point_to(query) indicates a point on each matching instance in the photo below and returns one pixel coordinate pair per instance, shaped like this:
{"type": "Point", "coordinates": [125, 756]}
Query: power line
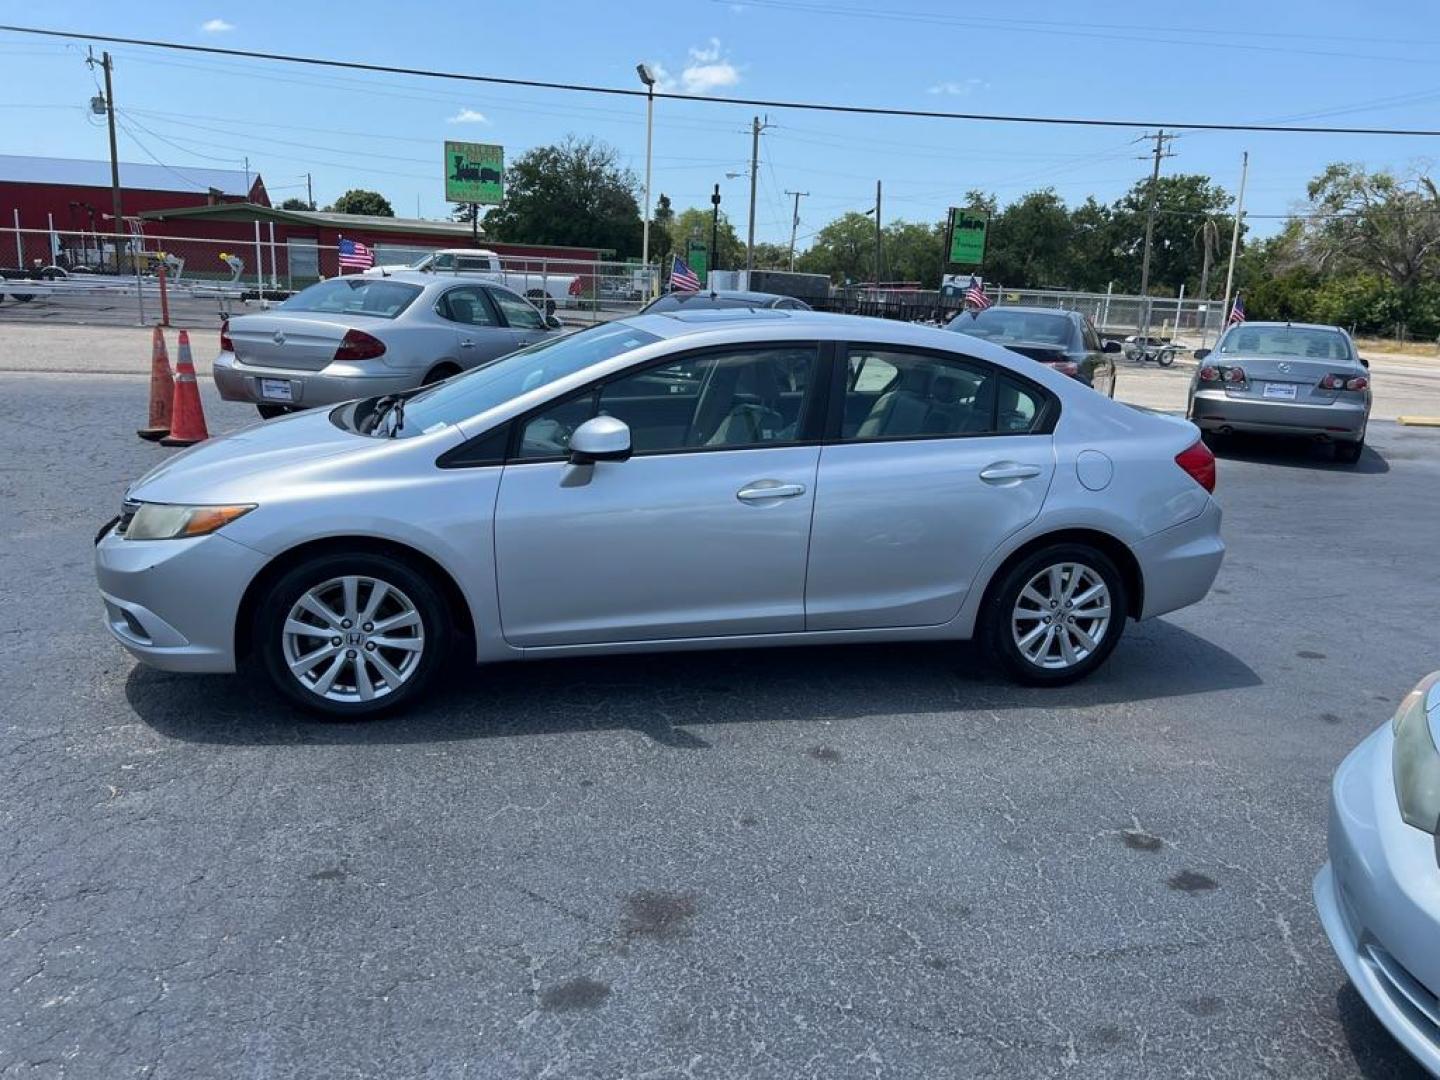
{"type": "Point", "coordinates": [808, 106]}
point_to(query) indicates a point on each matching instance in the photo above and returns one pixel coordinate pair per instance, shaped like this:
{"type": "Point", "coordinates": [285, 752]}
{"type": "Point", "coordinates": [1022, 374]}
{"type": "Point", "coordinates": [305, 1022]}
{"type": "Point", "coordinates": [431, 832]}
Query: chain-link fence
{"type": "Point", "coordinates": [1183, 320]}
{"type": "Point", "coordinates": [107, 279]}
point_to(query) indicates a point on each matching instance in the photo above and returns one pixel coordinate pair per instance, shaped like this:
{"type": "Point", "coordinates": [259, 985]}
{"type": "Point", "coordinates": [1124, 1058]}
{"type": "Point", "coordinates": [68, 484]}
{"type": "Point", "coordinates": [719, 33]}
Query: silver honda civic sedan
{"type": "Point", "coordinates": [359, 336]}
{"type": "Point", "coordinates": [671, 481]}
{"type": "Point", "coordinates": [1379, 895]}
{"type": "Point", "coordinates": [1284, 379]}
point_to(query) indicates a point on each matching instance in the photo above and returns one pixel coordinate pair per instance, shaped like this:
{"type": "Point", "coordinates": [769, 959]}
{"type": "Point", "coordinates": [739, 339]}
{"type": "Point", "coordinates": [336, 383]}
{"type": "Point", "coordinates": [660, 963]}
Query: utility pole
{"type": "Point", "coordinates": [107, 65]}
{"type": "Point", "coordinates": [714, 237]}
{"type": "Point", "coordinates": [755, 128]}
{"type": "Point", "coordinates": [795, 223]}
{"type": "Point", "coordinates": [1160, 140]}
{"type": "Point", "coordinates": [877, 234]}
{"type": "Point", "coordinates": [309, 193]}
{"type": "Point", "coordinates": [1235, 239]}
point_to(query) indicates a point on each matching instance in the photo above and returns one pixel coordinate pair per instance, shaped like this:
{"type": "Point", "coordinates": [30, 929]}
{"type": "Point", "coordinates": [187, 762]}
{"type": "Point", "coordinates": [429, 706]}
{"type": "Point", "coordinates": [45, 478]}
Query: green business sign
{"type": "Point", "coordinates": [697, 257]}
{"type": "Point", "coordinates": [966, 245]}
{"type": "Point", "coordinates": [474, 173]}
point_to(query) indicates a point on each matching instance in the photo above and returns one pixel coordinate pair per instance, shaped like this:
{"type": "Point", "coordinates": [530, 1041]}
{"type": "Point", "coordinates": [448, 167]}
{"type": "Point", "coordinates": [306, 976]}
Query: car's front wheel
{"type": "Point", "coordinates": [352, 635]}
{"type": "Point", "coordinates": [1056, 615]}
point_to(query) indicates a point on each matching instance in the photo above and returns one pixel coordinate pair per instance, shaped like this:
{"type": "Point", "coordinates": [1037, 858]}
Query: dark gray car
{"type": "Point", "coordinates": [1064, 341]}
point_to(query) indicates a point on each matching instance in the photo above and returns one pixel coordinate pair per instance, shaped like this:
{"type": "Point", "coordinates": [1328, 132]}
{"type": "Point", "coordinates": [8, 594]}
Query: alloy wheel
{"type": "Point", "coordinates": [1061, 616]}
{"type": "Point", "coordinates": [353, 639]}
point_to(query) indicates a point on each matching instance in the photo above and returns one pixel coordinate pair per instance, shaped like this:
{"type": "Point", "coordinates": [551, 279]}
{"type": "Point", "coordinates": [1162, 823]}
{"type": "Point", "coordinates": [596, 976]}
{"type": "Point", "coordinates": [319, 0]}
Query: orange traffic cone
{"type": "Point", "coordinates": [162, 390]}
{"type": "Point", "coordinates": [187, 418]}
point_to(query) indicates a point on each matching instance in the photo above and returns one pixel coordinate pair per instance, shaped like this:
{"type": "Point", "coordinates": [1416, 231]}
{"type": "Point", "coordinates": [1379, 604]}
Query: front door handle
{"type": "Point", "coordinates": [762, 490]}
{"type": "Point", "coordinates": [1004, 471]}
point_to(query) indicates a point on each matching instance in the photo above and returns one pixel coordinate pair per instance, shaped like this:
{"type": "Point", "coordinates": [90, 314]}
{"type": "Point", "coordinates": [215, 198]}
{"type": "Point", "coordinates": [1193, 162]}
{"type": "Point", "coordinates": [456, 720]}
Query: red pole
{"type": "Point", "coordinates": [164, 294]}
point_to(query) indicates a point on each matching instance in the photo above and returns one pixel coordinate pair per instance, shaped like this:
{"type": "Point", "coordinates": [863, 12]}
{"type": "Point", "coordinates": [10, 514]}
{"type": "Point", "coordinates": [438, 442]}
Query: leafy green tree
{"type": "Point", "coordinates": [844, 249]}
{"type": "Point", "coordinates": [1373, 221]}
{"type": "Point", "coordinates": [463, 212]}
{"type": "Point", "coordinates": [293, 203]}
{"type": "Point", "coordinates": [914, 251]}
{"type": "Point", "coordinates": [360, 201]}
{"type": "Point", "coordinates": [694, 223]}
{"type": "Point", "coordinates": [770, 256]}
{"type": "Point", "coordinates": [1183, 201]}
{"type": "Point", "coordinates": [661, 240]}
{"type": "Point", "coordinates": [1030, 243]}
{"type": "Point", "coordinates": [571, 193]}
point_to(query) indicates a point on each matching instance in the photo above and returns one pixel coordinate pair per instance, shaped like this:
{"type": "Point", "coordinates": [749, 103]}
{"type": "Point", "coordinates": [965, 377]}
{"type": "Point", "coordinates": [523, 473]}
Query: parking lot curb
{"type": "Point", "coordinates": [1419, 421]}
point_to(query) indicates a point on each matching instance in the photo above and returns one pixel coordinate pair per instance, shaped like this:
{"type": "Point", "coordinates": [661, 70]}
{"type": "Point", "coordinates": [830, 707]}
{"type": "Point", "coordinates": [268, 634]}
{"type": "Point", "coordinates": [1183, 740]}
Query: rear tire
{"type": "Point", "coordinates": [1027, 628]}
{"type": "Point", "coordinates": [439, 373]}
{"type": "Point", "coordinates": [1348, 453]}
{"type": "Point", "coordinates": [342, 669]}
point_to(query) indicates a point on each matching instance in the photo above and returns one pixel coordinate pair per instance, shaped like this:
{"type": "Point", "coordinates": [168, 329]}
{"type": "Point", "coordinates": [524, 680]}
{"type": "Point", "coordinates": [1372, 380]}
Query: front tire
{"type": "Point", "coordinates": [1056, 615]}
{"type": "Point", "coordinates": [352, 635]}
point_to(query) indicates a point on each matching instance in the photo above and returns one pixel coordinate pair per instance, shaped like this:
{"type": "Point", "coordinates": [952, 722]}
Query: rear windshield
{"type": "Point", "coordinates": [696, 301]}
{"type": "Point", "coordinates": [355, 296]}
{"type": "Point", "coordinates": [464, 396]}
{"type": "Point", "coordinates": [1289, 341]}
{"type": "Point", "coordinates": [998, 324]}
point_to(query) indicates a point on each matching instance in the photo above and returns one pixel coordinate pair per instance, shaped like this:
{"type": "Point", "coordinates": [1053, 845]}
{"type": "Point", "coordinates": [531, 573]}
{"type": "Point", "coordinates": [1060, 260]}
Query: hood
{"type": "Point", "coordinates": [290, 450]}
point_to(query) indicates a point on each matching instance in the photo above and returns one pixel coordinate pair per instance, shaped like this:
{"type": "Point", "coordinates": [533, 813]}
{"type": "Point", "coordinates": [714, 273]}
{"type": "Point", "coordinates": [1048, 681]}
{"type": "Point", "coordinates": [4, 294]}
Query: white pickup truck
{"type": "Point", "coordinates": [480, 262]}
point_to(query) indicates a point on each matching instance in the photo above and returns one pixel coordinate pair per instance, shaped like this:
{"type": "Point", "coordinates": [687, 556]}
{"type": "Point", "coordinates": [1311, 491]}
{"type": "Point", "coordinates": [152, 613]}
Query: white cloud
{"type": "Point", "coordinates": [707, 55]}
{"type": "Point", "coordinates": [957, 89]}
{"type": "Point", "coordinates": [468, 116]}
{"type": "Point", "coordinates": [703, 78]}
{"type": "Point", "coordinates": [217, 26]}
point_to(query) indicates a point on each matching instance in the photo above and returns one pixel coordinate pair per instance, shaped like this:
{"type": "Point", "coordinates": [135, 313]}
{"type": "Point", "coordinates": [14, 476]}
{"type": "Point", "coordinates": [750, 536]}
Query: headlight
{"type": "Point", "coordinates": [1416, 758]}
{"type": "Point", "coordinates": [162, 521]}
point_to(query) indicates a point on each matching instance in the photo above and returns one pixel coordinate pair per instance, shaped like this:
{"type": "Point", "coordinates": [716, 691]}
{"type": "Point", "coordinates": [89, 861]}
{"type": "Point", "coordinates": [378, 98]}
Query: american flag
{"type": "Point", "coordinates": [1237, 313]}
{"type": "Point", "coordinates": [682, 278]}
{"type": "Point", "coordinates": [975, 294]}
{"type": "Point", "coordinates": [354, 254]}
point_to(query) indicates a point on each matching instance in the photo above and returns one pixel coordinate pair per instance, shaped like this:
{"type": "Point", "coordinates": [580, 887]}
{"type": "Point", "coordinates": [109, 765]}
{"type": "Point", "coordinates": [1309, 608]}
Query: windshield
{"type": "Point", "coordinates": [998, 324]}
{"type": "Point", "coordinates": [1288, 341]}
{"type": "Point", "coordinates": [355, 296]}
{"type": "Point", "coordinates": [468, 395]}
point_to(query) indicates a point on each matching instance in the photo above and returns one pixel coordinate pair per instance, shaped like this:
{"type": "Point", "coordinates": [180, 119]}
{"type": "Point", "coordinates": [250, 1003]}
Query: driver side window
{"type": "Point", "coordinates": [711, 401]}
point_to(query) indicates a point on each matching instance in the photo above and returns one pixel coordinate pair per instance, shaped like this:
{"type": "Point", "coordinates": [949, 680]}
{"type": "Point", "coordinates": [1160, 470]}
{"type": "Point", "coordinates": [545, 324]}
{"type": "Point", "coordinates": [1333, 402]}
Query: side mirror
{"type": "Point", "coordinates": [1110, 345]}
{"type": "Point", "coordinates": [553, 322]}
{"type": "Point", "coordinates": [1200, 354]}
{"type": "Point", "coordinates": [603, 438]}
{"type": "Point", "coordinates": [1363, 362]}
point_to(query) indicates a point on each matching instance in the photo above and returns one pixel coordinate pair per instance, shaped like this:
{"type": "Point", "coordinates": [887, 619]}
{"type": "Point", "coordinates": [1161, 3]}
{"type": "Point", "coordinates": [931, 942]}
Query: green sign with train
{"type": "Point", "coordinates": [474, 173]}
{"type": "Point", "coordinates": [965, 242]}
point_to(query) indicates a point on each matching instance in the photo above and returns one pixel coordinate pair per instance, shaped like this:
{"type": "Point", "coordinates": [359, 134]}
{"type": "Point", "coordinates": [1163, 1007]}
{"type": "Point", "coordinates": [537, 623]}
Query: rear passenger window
{"type": "Point", "coordinates": [898, 395]}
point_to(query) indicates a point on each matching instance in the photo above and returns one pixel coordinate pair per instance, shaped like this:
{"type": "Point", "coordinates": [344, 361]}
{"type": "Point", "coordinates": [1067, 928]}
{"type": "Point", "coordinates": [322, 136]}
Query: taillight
{"type": "Point", "coordinates": [1360, 382]}
{"type": "Point", "coordinates": [1209, 374]}
{"type": "Point", "coordinates": [1333, 382]}
{"type": "Point", "coordinates": [1236, 375]}
{"type": "Point", "coordinates": [226, 345]}
{"type": "Point", "coordinates": [1065, 367]}
{"type": "Point", "coordinates": [358, 345]}
{"type": "Point", "coordinates": [1199, 462]}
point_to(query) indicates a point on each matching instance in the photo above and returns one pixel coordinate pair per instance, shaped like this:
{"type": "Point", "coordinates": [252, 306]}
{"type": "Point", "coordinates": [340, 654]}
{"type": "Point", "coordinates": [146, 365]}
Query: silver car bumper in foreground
{"type": "Point", "coordinates": [1212, 410]}
{"type": "Point", "coordinates": [172, 603]}
{"type": "Point", "coordinates": [1179, 564]}
{"type": "Point", "coordinates": [305, 389]}
{"type": "Point", "coordinates": [1379, 900]}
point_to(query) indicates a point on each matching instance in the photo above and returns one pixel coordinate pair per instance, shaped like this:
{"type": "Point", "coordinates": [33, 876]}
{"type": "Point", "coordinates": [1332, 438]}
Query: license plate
{"type": "Point", "coordinates": [1283, 390]}
{"type": "Point", "coordinates": [278, 390]}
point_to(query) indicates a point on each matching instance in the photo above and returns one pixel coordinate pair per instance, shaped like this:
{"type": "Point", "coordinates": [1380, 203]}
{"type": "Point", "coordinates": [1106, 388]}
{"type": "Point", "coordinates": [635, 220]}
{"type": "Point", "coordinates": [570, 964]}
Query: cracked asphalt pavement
{"type": "Point", "coordinates": [847, 862]}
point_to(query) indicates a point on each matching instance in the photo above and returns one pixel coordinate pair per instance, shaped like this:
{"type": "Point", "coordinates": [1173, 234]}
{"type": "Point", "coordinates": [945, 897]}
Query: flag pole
{"type": "Point", "coordinates": [1234, 242]}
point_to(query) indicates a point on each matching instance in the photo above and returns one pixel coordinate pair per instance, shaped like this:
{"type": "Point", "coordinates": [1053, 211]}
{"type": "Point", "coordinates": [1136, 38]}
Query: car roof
{"type": "Point", "coordinates": [424, 279]}
{"type": "Point", "coordinates": [1277, 324]}
{"type": "Point", "coordinates": [759, 323]}
{"type": "Point", "coordinates": [1029, 309]}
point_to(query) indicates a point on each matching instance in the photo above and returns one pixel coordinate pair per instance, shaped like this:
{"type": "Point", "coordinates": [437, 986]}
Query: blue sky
{"type": "Point", "coordinates": [1302, 60]}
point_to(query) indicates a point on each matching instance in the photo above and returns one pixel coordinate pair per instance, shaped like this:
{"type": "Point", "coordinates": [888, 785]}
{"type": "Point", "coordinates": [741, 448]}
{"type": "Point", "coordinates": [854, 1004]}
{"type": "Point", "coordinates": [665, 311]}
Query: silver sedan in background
{"type": "Point", "coordinates": [1274, 378]}
{"type": "Point", "coordinates": [689, 480]}
{"type": "Point", "coordinates": [1379, 895]}
{"type": "Point", "coordinates": [361, 336]}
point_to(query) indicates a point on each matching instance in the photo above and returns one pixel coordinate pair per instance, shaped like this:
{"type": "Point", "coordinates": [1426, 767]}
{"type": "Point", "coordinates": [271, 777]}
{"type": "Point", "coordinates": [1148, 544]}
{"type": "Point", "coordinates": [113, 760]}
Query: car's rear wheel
{"type": "Point", "coordinates": [352, 635]}
{"type": "Point", "coordinates": [439, 373]}
{"type": "Point", "coordinates": [1056, 615]}
{"type": "Point", "coordinates": [1348, 453]}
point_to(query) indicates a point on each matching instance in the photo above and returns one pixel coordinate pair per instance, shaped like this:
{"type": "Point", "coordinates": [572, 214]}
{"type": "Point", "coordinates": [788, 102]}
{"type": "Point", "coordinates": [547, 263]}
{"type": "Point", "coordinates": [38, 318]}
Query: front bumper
{"type": "Point", "coordinates": [1379, 900]}
{"type": "Point", "coordinates": [1212, 410]}
{"type": "Point", "coordinates": [328, 386]}
{"type": "Point", "coordinates": [172, 603]}
{"type": "Point", "coordinates": [1178, 565]}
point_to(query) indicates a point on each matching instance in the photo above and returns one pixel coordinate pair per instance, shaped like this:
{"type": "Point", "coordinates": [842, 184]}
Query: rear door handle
{"type": "Point", "coordinates": [466, 343]}
{"type": "Point", "coordinates": [1003, 471]}
{"type": "Point", "coordinates": [762, 490]}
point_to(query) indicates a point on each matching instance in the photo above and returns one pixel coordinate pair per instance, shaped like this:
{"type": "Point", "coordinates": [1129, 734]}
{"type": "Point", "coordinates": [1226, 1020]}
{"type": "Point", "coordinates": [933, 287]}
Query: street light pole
{"type": "Point", "coordinates": [648, 78]}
